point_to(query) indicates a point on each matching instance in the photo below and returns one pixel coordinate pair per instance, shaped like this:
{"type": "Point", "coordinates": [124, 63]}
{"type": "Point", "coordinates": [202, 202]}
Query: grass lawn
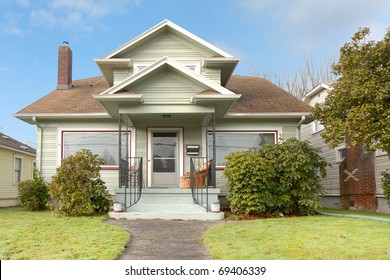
{"type": "Point", "coordinates": [360, 213]}
{"type": "Point", "coordinates": [300, 238]}
{"type": "Point", "coordinates": [44, 236]}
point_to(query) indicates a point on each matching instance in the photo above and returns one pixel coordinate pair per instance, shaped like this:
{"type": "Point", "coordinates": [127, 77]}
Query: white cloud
{"type": "Point", "coordinates": [306, 24]}
{"type": "Point", "coordinates": [10, 24]}
{"type": "Point", "coordinates": [43, 18]}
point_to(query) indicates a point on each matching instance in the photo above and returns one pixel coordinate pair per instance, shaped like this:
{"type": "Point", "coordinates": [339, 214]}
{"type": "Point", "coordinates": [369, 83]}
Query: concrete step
{"type": "Point", "coordinates": [168, 204]}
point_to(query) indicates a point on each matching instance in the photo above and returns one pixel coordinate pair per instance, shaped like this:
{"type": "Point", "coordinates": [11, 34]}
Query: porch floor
{"type": "Point", "coordinates": [168, 204]}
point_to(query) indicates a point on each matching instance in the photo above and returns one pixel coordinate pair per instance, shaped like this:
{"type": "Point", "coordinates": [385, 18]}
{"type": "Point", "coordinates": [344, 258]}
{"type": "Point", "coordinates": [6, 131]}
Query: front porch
{"type": "Point", "coordinates": [167, 204]}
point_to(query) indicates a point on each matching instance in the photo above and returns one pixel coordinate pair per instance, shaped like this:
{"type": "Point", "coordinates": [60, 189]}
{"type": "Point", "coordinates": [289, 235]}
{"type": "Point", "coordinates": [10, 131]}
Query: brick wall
{"type": "Point", "coordinates": [64, 67]}
{"type": "Point", "coordinates": [357, 180]}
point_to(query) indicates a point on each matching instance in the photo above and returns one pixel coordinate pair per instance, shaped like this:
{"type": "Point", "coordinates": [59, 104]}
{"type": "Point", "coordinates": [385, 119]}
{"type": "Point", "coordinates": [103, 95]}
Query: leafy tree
{"type": "Point", "coordinates": [77, 188]}
{"type": "Point", "coordinates": [358, 106]}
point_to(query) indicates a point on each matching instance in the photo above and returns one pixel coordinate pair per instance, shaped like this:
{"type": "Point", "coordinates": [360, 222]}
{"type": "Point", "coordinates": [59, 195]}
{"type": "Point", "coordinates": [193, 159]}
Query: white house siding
{"type": "Point", "coordinates": [49, 152]}
{"type": "Point", "coordinates": [8, 187]}
{"type": "Point", "coordinates": [168, 87]}
{"type": "Point", "coordinates": [169, 45]}
{"type": "Point", "coordinates": [331, 182]}
{"type": "Point", "coordinates": [213, 74]}
{"type": "Point", "coordinates": [120, 75]}
{"type": "Point", "coordinates": [382, 164]}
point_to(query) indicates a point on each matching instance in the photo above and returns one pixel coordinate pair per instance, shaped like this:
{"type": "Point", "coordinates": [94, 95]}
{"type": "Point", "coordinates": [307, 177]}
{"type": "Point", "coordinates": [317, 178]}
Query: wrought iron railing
{"type": "Point", "coordinates": [131, 179]}
{"type": "Point", "coordinates": [200, 179]}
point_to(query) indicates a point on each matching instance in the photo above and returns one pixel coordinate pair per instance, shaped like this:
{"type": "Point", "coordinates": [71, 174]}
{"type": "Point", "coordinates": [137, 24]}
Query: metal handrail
{"type": "Point", "coordinates": [133, 182]}
{"type": "Point", "coordinates": [199, 180]}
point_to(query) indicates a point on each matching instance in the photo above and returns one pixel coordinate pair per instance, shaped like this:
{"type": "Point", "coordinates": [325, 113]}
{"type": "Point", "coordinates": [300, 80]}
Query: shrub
{"type": "Point", "coordinates": [33, 194]}
{"type": "Point", "coordinates": [282, 178]}
{"type": "Point", "coordinates": [386, 186]}
{"type": "Point", "coordinates": [77, 187]}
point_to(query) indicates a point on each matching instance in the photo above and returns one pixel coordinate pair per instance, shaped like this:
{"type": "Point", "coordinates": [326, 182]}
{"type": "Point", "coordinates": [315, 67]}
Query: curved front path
{"type": "Point", "coordinates": [164, 239]}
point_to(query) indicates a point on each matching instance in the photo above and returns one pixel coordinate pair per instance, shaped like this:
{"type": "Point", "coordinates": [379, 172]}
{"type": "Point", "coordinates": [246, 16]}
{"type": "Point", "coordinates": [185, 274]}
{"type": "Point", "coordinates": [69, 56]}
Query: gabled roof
{"type": "Point", "coordinates": [261, 96]}
{"type": "Point", "coordinates": [163, 26]}
{"type": "Point", "coordinates": [173, 65]}
{"type": "Point", "coordinates": [258, 96]}
{"type": "Point", "coordinates": [118, 60]}
{"type": "Point", "coordinates": [8, 142]}
{"type": "Point", "coordinates": [318, 88]}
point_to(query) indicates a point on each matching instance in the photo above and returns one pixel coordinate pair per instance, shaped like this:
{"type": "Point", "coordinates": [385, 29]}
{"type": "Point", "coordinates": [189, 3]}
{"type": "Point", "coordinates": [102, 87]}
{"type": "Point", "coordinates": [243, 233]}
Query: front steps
{"type": "Point", "coordinates": [167, 204]}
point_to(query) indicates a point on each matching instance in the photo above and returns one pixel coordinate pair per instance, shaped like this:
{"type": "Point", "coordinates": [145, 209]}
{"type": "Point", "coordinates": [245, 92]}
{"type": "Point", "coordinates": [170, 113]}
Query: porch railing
{"type": "Point", "coordinates": [131, 180]}
{"type": "Point", "coordinates": [200, 180]}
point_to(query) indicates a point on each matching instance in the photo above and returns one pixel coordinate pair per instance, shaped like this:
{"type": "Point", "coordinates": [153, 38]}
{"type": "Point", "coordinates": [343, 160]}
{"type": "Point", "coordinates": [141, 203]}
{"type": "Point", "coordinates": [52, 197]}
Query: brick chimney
{"type": "Point", "coordinates": [64, 67]}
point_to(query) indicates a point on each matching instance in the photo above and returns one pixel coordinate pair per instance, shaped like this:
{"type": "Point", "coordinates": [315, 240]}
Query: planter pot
{"type": "Point", "coordinates": [215, 208]}
{"type": "Point", "coordinates": [118, 207]}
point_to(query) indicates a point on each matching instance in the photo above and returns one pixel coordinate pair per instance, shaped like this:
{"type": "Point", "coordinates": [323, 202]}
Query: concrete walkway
{"type": "Point", "coordinates": [165, 239]}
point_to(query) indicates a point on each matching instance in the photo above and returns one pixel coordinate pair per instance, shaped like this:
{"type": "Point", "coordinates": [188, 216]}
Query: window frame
{"type": "Point", "coordinates": [317, 126]}
{"type": "Point", "coordinates": [16, 181]}
{"type": "Point", "coordinates": [103, 167]}
{"type": "Point", "coordinates": [222, 167]}
{"type": "Point", "coordinates": [339, 150]}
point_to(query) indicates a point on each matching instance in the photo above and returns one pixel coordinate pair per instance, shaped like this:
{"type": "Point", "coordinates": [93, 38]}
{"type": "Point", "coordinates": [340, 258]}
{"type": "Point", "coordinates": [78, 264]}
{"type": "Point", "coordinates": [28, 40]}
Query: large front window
{"type": "Point", "coordinates": [103, 143]}
{"type": "Point", "coordinates": [234, 141]}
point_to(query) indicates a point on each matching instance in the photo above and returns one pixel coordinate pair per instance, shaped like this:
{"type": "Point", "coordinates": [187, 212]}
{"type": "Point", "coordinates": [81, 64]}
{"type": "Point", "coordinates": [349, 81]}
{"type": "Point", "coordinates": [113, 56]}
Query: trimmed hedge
{"type": "Point", "coordinates": [77, 187]}
{"type": "Point", "coordinates": [278, 179]}
{"type": "Point", "coordinates": [33, 194]}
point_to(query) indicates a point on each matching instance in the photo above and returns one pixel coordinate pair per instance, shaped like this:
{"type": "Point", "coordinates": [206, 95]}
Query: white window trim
{"type": "Point", "coordinates": [314, 127]}
{"type": "Point", "coordinates": [338, 153]}
{"type": "Point", "coordinates": [21, 169]}
{"type": "Point", "coordinates": [380, 152]}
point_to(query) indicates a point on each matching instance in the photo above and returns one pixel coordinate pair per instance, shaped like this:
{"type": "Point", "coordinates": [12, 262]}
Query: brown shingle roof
{"type": "Point", "coordinates": [258, 96]}
{"type": "Point", "coordinates": [261, 96]}
{"type": "Point", "coordinates": [78, 99]}
{"type": "Point", "coordinates": [12, 143]}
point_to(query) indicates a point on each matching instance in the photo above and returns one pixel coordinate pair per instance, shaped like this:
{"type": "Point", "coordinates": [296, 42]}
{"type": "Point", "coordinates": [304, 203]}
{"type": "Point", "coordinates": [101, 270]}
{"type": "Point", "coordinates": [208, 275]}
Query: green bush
{"type": "Point", "coordinates": [386, 186]}
{"type": "Point", "coordinates": [33, 194]}
{"type": "Point", "coordinates": [77, 188]}
{"type": "Point", "coordinates": [282, 178]}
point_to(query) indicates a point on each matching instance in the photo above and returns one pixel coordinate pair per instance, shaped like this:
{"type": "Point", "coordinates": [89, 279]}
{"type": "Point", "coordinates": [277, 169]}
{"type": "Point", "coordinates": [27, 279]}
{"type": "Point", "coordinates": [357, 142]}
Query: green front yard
{"type": "Point", "coordinates": [42, 236]}
{"type": "Point", "coordinates": [300, 238]}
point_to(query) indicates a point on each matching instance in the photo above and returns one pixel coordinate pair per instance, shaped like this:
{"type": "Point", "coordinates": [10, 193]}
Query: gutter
{"type": "Point", "coordinates": [34, 119]}
{"type": "Point", "coordinates": [299, 127]}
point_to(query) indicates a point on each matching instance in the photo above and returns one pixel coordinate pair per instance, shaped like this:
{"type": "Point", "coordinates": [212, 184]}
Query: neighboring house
{"type": "Point", "coordinates": [17, 161]}
{"type": "Point", "coordinates": [354, 181]}
{"type": "Point", "coordinates": [173, 97]}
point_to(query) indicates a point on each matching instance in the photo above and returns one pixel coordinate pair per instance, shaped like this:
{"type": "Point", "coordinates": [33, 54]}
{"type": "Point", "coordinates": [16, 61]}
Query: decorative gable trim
{"type": "Point", "coordinates": [166, 61]}
{"type": "Point", "coordinates": [166, 25]}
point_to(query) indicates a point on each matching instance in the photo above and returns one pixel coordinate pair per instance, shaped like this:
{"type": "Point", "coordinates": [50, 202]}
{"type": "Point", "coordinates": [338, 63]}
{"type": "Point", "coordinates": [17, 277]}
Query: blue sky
{"type": "Point", "coordinates": [264, 34]}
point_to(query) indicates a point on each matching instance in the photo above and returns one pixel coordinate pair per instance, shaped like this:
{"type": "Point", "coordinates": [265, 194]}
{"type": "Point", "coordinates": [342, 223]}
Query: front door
{"type": "Point", "coordinates": [164, 161]}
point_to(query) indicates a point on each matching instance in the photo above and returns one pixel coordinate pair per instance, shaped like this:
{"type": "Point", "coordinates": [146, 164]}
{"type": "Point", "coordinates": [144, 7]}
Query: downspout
{"type": "Point", "coordinates": [299, 127]}
{"type": "Point", "coordinates": [34, 119]}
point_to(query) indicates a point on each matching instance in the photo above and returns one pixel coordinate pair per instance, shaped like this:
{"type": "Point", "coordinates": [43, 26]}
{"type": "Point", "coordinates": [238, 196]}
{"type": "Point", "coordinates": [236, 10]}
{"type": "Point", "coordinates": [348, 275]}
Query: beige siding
{"type": "Point", "coordinates": [289, 132]}
{"type": "Point", "coordinates": [167, 87]}
{"type": "Point", "coordinates": [331, 182]}
{"type": "Point", "coordinates": [382, 164]}
{"type": "Point", "coordinates": [8, 187]}
{"type": "Point", "coordinates": [212, 74]}
{"type": "Point", "coordinates": [120, 75]}
{"type": "Point", "coordinates": [169, 45]}
{"type": "Point", "coordinates": [49, 152]}
{"type": "Point", "coordinates": [192, 136]}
